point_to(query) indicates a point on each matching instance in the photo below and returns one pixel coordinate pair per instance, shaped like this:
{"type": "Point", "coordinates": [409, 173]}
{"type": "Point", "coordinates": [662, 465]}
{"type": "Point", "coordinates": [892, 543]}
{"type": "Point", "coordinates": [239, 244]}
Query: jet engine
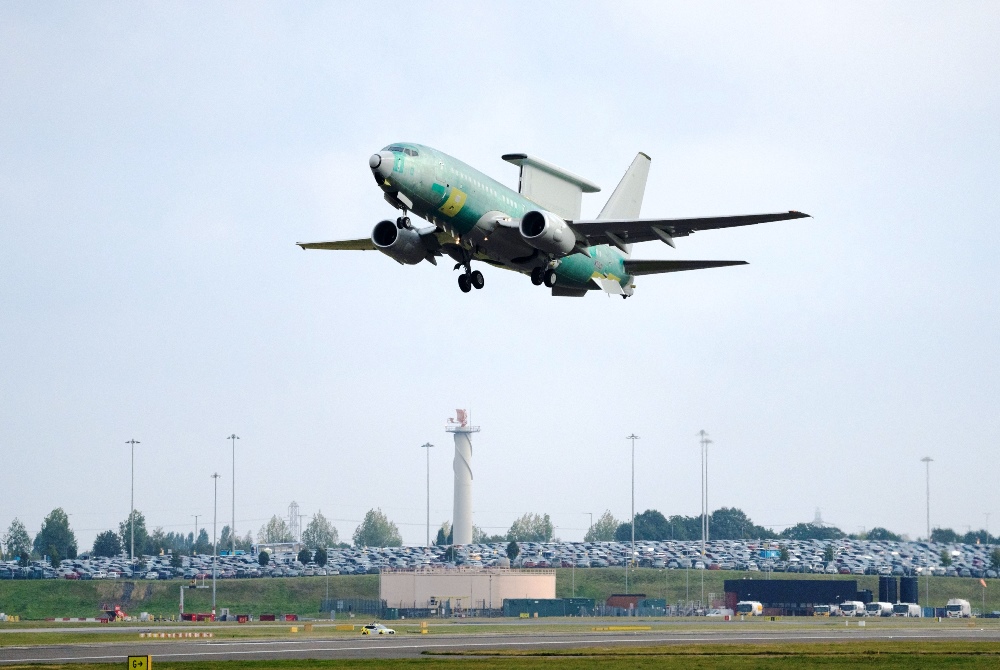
{"type": "Point", "coordinates": [402, 245]}
{"type": "Point", "coordinates": [547, 232]}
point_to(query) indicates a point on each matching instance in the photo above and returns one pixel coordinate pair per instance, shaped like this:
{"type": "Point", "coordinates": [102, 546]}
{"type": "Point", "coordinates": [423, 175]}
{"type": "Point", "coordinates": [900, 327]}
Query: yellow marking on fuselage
{"type": "Point", "coordinates": [454, 204]}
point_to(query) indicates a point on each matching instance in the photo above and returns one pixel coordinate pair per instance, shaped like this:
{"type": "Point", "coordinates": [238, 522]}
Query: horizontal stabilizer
{"type": "Point", "coordinates": [637, 268]}
{"type": "Point", "coordinates": [341, 245]}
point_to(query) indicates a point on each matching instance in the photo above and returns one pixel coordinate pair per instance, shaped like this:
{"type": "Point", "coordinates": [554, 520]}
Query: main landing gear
{"type": "Point", "coordinates": [403, 222]}
{"type": "Point", "coordinates": [545, 276]}
{"type": "Point", "coordinates": [470, 279]}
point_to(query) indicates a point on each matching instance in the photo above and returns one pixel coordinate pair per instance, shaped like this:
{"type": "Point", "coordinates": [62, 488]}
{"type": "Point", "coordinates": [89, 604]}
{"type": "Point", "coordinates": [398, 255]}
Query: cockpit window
{"type": "Point", "coordinates": [402, 150]}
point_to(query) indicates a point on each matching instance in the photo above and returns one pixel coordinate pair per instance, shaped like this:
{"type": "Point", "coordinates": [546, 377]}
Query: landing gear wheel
{"type": "Point", "coordinates": [536, 276]}
{"type": "Point", "coordinates": [549, 278]}
{"type": "Point", "coordinates": [403, 222]}
{"type": "Point", "coordinates": [464, 283]}
{"type": "Point", "coordinates": [478, 280]}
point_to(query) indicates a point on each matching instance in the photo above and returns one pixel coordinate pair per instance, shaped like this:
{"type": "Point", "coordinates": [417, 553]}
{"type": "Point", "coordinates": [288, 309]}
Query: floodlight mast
{"type": "Point", "coordinates": [428, 446]}
{"type": "Point", "coordinates": [131, 512]}
{"type": "Point", "coordinates": [215, 541]}
{"type": "Point", "coordinates": [633, 437]}
{"type": "Point", "coordinates": [927, 460]}
{"type": "Point", "coordinates": [232, 529]}
{"type": "Point", "coordinates": [704, 490]}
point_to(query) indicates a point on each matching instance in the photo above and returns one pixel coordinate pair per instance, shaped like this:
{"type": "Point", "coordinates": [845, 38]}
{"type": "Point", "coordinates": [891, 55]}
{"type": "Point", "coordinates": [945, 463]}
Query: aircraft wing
{"type": "Point", "coordinates": [365, 244]}
{"type": "Point", "coordinates": [627, 231]}
{"type": "Point", "coordinates": [637, 268]}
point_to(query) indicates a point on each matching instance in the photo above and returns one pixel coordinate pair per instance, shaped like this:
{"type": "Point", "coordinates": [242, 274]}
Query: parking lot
{"type": "Point", "coordinates": [856, 557]}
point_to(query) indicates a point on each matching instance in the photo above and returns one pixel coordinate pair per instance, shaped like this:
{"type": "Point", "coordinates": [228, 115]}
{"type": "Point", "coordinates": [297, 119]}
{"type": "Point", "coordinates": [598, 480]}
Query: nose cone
{"type": "Point", "coordinates": [381, 163]}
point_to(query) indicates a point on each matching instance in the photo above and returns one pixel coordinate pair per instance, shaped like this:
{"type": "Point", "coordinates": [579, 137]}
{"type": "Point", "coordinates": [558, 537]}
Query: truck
{"type": "Point", "coordinates": [959, 609]}
{"type": "Point", "coordinates": [751, 607]}
{"type": "Point", "coordinates": [852, 608]}
{"type": "Point", "coordinates": [822, 610]}
{"type": "Point", "coordinates": [878, 609]}
{"type": "Point", "coordinates": [906, 609]}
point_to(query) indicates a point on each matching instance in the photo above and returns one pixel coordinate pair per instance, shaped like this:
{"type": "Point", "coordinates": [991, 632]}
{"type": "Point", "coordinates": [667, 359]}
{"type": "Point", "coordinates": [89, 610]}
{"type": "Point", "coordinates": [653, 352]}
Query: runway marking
{"type": "Point", "coordinates": [586, 641]}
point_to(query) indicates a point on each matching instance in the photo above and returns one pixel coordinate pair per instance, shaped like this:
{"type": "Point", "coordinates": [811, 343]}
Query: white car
{"type": "Point", "coordinates": [377, 629]}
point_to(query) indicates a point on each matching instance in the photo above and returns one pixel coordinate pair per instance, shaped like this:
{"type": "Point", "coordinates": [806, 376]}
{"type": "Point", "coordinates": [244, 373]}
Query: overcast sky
{"type": "Point", "coordinates": [159, 161]}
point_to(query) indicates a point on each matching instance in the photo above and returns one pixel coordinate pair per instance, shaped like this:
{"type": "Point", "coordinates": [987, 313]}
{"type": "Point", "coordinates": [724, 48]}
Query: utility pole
{"type": "Point", "coordinates": [232, 528]}
{"type": "Point", "coordinates": [633, 437]}
{"type": "Point", "coordinates": [215, 542]}
{"type": "Point", "coordinates": [927, 460]}
{"type": "Point", "coordinates": [131, 513]}
{"type": "Point", "coordinates": [428, 447]}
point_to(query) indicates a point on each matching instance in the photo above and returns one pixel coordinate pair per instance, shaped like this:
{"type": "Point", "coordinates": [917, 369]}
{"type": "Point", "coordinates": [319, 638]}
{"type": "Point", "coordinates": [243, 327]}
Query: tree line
{"type": "Point", "coordinates": [57, 540]}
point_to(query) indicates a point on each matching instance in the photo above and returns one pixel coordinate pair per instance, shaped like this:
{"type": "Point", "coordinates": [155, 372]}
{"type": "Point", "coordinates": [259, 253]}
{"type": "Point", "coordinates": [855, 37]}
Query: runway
{"type": "Point", "coordinates": [410, 646]}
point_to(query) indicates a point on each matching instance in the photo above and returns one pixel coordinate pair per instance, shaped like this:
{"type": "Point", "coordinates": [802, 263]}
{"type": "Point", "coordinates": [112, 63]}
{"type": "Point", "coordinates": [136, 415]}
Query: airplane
{"type": "Point", "coordinates": [536, 230]}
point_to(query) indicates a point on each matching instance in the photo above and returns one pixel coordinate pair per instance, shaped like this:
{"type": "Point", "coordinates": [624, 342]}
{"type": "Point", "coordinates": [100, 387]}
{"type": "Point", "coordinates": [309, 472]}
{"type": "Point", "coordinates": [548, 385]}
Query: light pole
{"type": "Point", "coordinates": [926, 460]}
{"type": "Point", "coordinates": [232, 528]}
{"type": "Point", "coordinates": [215, 542]}
{"type": "Point", "coordinates": [131, 512]}
{"type": "Point", "coordinates": [194, 538]}
{"type": "Point", "coordinates": [428, 447]}
{"type": "Point", "coordinates": [704, 490]}
{"type": "Point", "coordinates": [633, 437]}
{"type": "Point", "coordinates": [591, 528]}
{"type": "Point", "coordinates": [704, 507]}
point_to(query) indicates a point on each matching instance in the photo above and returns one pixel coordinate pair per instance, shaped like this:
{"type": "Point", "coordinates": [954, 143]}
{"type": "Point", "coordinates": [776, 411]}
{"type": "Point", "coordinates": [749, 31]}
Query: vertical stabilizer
{"type": "Point", "coordinates": [626, 201]}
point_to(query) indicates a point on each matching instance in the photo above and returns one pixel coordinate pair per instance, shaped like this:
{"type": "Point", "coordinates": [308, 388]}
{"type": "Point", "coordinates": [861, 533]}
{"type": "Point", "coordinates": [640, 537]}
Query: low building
{"type": "Point", "coordinates": [463, 588]}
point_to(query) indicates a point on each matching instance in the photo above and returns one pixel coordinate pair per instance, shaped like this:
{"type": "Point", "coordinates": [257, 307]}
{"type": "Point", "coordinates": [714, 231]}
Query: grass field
{"type": "Point", "coordinates": [38, 599]}
{"type": "Point", "coordinates": [302, 595]}
{"type": "Point", "coordinates": [946, 655]}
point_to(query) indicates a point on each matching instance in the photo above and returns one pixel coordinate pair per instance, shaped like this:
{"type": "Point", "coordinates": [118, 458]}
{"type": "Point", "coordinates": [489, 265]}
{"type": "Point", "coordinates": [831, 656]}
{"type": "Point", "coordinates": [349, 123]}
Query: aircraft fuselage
{"type": "Point", "coordinates": [477, 211]}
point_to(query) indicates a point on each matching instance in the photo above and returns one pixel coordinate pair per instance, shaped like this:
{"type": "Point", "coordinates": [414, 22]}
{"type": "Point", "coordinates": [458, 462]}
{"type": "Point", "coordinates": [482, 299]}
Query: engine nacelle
{"type": "Point", "coordinates": [547, 232]}
{"type": "Point", "coordinates": [402, 245]}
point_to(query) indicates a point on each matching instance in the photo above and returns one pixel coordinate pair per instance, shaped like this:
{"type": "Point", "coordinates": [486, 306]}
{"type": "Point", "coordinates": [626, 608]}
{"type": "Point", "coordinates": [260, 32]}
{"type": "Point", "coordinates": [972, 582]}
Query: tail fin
{"type": "Point", "coordinates": [626, 201]}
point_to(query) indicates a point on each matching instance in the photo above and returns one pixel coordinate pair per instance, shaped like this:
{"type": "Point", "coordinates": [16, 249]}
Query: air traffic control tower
{"type": "Point", "coordinates": [462, 518]}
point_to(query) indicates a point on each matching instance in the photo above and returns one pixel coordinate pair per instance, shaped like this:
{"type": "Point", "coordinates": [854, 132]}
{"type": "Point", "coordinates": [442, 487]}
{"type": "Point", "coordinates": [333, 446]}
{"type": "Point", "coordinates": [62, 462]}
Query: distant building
{"type": "Point", "coordinates": [463, 589]}
{"type": "Point", "coordinates": [792, 597]}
